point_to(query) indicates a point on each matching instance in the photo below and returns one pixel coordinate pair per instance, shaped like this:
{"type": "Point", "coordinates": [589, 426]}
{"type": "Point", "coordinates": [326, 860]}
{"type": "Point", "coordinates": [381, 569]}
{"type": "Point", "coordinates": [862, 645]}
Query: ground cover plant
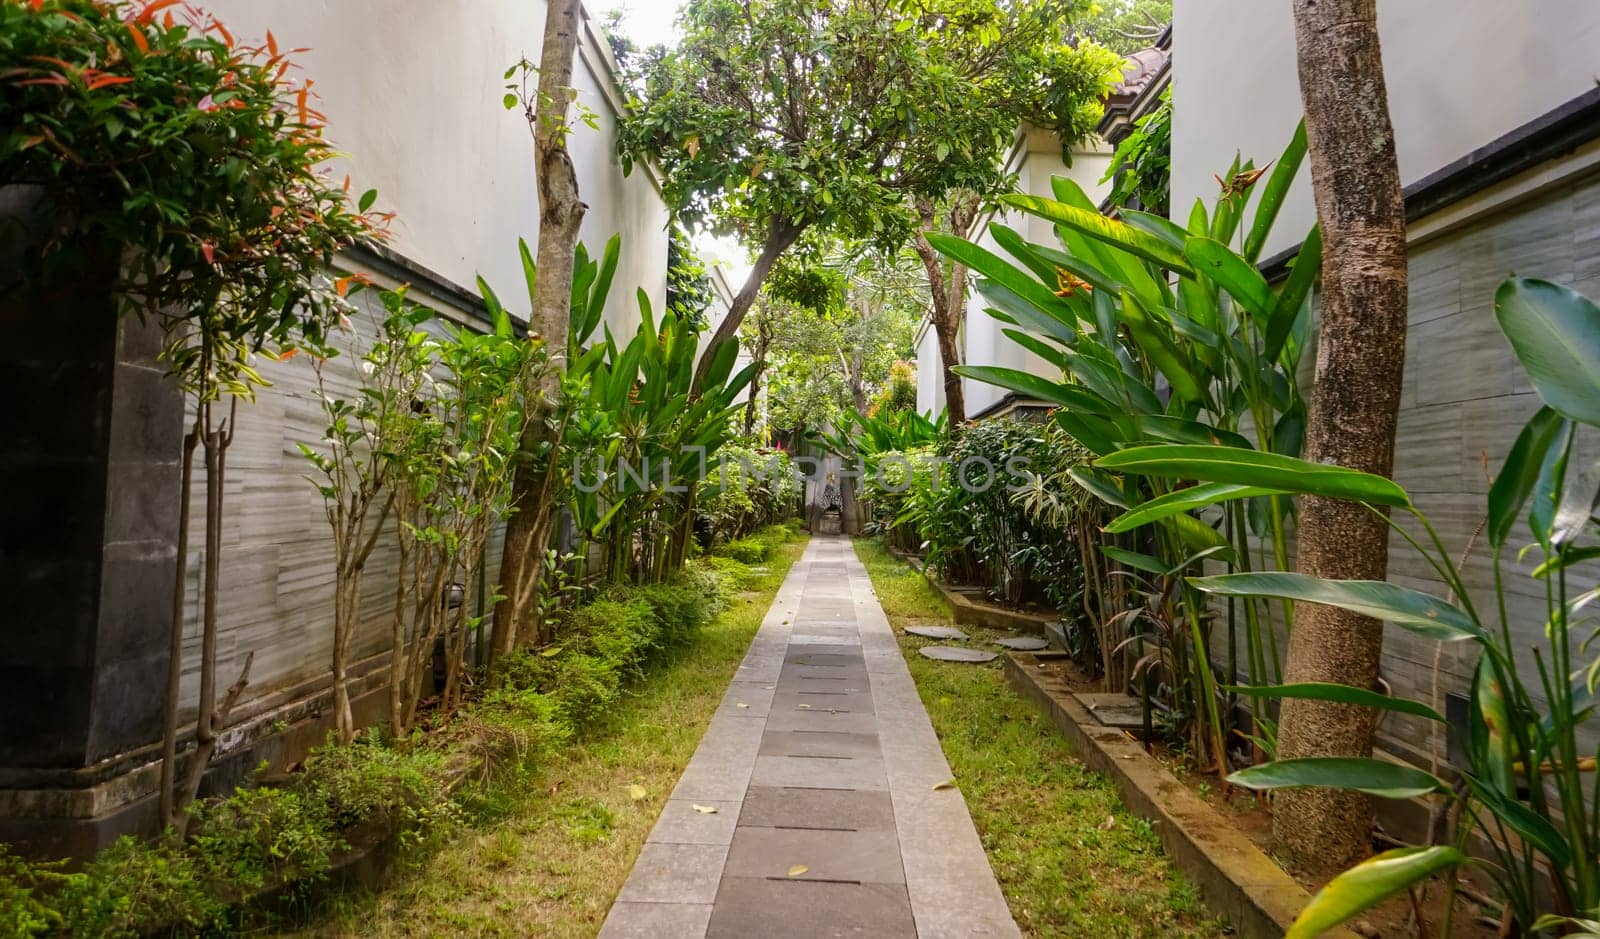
{"type": "Point", "coordinates": [1071, 860]}
{"type": "Point", "coordinates": [636, 667]}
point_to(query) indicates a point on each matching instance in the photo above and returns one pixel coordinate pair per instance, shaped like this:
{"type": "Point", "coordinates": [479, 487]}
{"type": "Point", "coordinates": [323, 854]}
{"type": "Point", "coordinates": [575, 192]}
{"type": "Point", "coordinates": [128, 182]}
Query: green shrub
{"type": "Point", "coordinates": [744, 550]}
{"type": "Point", "coordinates": [680, 609]}
{"type": "Point", "coordinates": [22, 912]}
{"type": "Point", "coordinates": [131, 888]}
{"type": "Point", "coordinates": [258, 837]}
{"type": "Point", "coordinates": [369, 782]}
{"type": "Point", "coordinates": [733, 575]}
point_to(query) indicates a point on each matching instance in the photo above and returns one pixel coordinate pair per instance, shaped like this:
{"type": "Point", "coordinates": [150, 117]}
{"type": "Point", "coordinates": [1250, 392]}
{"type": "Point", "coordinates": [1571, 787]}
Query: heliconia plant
{"type": "Point", "coordinates": [1529, 785]}
{"type": "Point", "coordinates": [645, 439]}
{"type": "Point", "coordinates": [1167, 333]}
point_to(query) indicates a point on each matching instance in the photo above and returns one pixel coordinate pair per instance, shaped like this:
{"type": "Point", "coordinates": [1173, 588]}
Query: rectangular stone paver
{"type": "Point", "coordinates": [821, 809]}
{"type": "Point", "coordinates": [855, 856]}
{"type": "Point", "coordinates": [749, 907]}
{"type": "Point", "coordinates": [820, 761]}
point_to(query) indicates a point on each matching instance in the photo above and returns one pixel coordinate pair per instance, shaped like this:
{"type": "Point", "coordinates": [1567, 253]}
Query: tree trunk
{"type": "Point", "coordinates": [948, 296]}
{"type": "Point", "coordinates": [780, 236]}
{"type": "Point", "coordinates": [560, 214]}
{"type": "Point", "coordinates": [1360, 359]}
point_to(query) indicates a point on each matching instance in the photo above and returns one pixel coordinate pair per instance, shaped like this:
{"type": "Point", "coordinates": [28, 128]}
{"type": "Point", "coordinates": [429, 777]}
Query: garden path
{"type": "Point", "coordinates": [825, 777]}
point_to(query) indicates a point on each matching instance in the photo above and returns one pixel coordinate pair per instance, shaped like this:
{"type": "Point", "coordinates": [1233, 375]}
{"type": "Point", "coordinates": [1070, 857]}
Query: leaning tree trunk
{"type": "Point", "coordinates": [560, 214]}
{"type": "Point", "coordinates": [780, 236]}
{"type": "Point", "coordinates": [948, 296]}
{"type": "Point", "coordinates": [1360, 358]}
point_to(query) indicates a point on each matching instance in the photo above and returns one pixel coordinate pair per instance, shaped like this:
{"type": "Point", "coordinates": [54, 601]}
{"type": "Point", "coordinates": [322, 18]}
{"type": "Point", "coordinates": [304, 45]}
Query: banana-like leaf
{"type": "Point", "coordinates": [1184, 500]}
{"type": "Point", "coordinates": [1197, 535]}
{"type": "Point", "coordinates": [1097, 226]}
{"type": "Point", "coordinates": [1565, 560]}
{"type": "Point", "coordinates": [1534, 828]}
{"type": "Point", "coordinates": [1038, 347]}
{"type": "Point", "coordinates": [1163, 228]}
{"type": "Point", "coordinates": [1283, 174]}
{"type": "Point", "coordinates": [1490, 727]}
{"type": "Point", "coordinates": [1135, 560]}
{"type": "Point", "coordinates": [1343, 694]}
{"type": "Point", "coordinates": [1254, 468]}
{"type": "Point", "coordinates": [1172, 361]}
{"type": "Point", "coordinates": [997, 269]}
{"type": "Point", "coordinates": [1178, 430]}
{"type": "Point", "coordinates": [1101, 486]}
{"type": "Point", "coordinates": [1374, 777]}
{"type": "Point", "coordinates": [1555, 333]}
{"type": "Point", "coordinates": [1290, 305]}
{"type": "Point", "coordinates": [1409, 609]}
{"type": "Point", "coordinates": [1057, 393]}
{"type": "Point", "coordinates": [1235, 275]}
{"type": "Point", "coordinates": [1369, 883]}
{"type": "Point", "coordinates": [1547, 486]}
{"type": "Point", "coordinates": [1054, 322]}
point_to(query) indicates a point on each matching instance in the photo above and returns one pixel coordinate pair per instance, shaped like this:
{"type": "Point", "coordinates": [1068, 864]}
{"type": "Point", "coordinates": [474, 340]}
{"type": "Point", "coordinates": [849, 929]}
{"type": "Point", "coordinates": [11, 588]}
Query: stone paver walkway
{"type": "Point", "coordinates": [822, 766]}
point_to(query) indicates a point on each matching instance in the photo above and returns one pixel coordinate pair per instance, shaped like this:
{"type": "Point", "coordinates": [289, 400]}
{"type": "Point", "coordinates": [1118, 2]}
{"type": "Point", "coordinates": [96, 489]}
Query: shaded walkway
{"type": "Point", "coordinates": [821, 767]}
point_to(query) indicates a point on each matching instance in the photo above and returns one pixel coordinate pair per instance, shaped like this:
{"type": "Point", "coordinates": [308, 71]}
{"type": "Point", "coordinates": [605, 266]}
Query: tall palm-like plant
{"type": "Point", "coordinates": [1167, 333]}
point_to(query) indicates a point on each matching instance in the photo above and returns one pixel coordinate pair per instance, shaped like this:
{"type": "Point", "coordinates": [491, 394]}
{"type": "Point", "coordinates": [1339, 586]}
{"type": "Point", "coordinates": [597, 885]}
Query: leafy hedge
{"type": "Point", "coordinates": [289, 836]}
{"type": "Point", "coordinates": [758, 547]}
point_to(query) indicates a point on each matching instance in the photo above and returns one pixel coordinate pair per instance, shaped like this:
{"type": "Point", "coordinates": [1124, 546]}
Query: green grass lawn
{"type": "Point", "coordinates": [549, 851]}
{"type": "Point", "coordinates": [1071, 859]}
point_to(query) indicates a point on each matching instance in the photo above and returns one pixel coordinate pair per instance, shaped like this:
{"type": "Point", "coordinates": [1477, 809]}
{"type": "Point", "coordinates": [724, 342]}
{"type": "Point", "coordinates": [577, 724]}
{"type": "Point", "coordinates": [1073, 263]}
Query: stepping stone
{"type": "Point", "coordinates": [937, 632]}
{"type": "Point", "coordinates": [1023, 643]}
{"type": "Point", "coordinates": [957, 654]}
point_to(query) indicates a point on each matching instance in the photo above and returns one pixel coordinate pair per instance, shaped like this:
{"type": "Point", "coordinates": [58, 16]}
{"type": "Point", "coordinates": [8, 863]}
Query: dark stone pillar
{"type": "Point", "coordinates": [90, 442]}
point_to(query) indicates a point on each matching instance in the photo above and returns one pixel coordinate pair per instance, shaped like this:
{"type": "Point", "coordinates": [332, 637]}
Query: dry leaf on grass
{"type": "Point", "coordinates": [1109, 823]}
{"type": "Point", "coordinates": [637, 792]}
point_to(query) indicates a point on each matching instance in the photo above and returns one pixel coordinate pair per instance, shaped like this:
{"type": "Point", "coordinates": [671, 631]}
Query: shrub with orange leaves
{"type": "Point", "coordinates": [181, 167]}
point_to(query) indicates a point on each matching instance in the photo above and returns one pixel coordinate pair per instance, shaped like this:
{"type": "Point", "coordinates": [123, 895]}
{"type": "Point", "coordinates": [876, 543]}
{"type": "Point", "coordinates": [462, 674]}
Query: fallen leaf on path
{"type": "Point", "coordinates": [797, 870]}
{"type": "Point", "coordinates": [744, 705]}
{"type": "Point", "coordinates": [705, 809]}
{"type": "Point", "coordinates": [947, 784]}
{"type": "Point", "coordinates": [637, 792]}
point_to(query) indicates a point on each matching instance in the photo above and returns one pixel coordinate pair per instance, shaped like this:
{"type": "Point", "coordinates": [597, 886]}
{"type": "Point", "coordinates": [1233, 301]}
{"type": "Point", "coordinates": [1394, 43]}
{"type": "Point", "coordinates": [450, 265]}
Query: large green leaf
{"type": "Point", "coordinates": [1054, 392]}
{"type": "Point", "coordinates": [1184, 500]}
{"type": "Point", "coordinates": [1097, 226]}
{"type": "Point", "coordinates": [999, 270]}
{"type": "Point", "coordinates": [1555, 332]}
{"type": "Point", "coordinates": [1381, 778]}
{"type": "Point", "coordinates": [1343, 694]}
{"type": "Point", "coordinates": [1174, 362]}
{"type": "Point", "coordinates": [1254, 468]}
{"type": "Point", "coordinates": [1234, 274]}
{"type": "Point", "coordinates": [1409, 609]}
{"type": "Point", "coordinates": [1534, 828]}
{"type": "Point", "coordinates": [1290, 304]}
{"type": "Point", "coordinates": [1054, 322]}
{"type": "Point", "coordinates": [1369, 883]}
{"type": "Point", "coordinates": [1283, 174]}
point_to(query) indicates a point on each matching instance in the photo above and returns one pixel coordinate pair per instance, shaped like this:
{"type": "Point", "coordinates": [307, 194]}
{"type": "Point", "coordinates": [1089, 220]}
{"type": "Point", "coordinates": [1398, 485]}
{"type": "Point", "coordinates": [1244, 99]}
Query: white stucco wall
{"type": "Point", "coordinates": [1459, 74]}
{"type": "Point", "coordinates": [412, 90]}
{"type": "Point", "coordinates": [1036, 158]}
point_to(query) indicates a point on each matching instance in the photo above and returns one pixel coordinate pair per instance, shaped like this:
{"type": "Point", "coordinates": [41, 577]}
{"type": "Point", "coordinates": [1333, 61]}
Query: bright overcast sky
{"type": "Point", "coordinates": [648, 22]}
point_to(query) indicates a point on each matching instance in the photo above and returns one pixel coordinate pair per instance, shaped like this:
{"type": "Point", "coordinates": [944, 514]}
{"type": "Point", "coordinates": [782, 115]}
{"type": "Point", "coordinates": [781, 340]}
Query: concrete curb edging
{"type": "Point", "coordinates": [972, 611]}
{"type": "Point", "coordinates": [1235, 877]}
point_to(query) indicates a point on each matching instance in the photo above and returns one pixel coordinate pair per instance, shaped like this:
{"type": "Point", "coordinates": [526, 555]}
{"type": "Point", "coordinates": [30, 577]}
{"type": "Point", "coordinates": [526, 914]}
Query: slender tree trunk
{"type": "Point", "coordinates": [780, 236]}
{"type": "Point", "coordinates": [169, 734]}
{"type": "Point", "coordinates": [948, 298]}
{"type": "Point", "coordinates": [1360, 359]}
{"type": "Point", "coordinates": [560, 215]}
